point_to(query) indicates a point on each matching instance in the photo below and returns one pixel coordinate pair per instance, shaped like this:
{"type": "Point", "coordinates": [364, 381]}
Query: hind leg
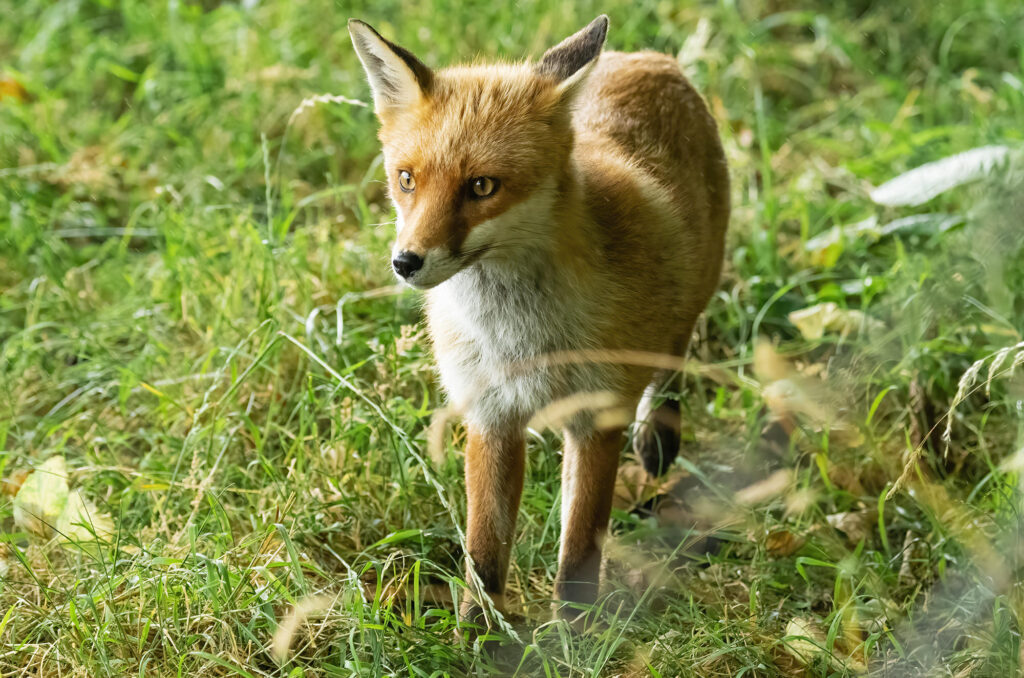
{"type": "Point", "coordinates": [656, 436]}
{"type": "Point", "coordinates": [657, 431]}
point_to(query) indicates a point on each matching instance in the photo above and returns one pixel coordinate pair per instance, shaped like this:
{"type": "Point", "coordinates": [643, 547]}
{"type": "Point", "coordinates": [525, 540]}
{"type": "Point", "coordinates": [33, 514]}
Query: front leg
{"type": "Point", "coordinates": [588, 482]}
{"type": "Point", "coordinates": [494, 484]}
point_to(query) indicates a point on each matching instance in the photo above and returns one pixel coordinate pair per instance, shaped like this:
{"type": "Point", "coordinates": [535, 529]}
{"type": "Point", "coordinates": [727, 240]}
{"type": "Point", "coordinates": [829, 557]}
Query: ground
{"type": "Point", "coordinates": [197, 318]}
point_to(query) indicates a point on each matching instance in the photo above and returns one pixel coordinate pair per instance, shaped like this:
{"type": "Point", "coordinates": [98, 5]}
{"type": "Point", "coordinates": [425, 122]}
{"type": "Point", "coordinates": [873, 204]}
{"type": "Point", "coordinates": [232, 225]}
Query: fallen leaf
{"type": "Point", "coordinates": [814, 321]}
{"type": "Point", "coordinates": [13, 482]}
{"type": "Point", "coordinates": [12, 89]}
{"type": "Point", "coordinates": [922, 224]}
{"type": "Point", "coordinates": [81, 521]}
{"type": "Point", "coordinates": [781, 543]}
{"type": "Point", "coordinates": [824, 249]}
{"type": "Point", "coordinates": [806, 641]}
{"type": "Point", "coordinates": [923, 183]}
{"type": "Point", "coordinates": [633, 486]}
{"type": "Point", "coordinates": [45, 504]}
{"type": "Point", "coordinates": [856, 525]}
{"type": "Point", "coordinates": [42, 497]}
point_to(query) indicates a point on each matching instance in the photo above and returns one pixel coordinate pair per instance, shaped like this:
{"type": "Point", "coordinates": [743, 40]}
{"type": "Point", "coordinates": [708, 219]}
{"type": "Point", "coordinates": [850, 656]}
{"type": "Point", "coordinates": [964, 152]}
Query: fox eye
{"type": "Point", "coordinates": [483, 187]}
{"type": "Point", "coordinates": [406, 182]}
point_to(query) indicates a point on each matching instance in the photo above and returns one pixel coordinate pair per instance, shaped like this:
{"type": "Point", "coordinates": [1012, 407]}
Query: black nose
{"type": "Point", "coordinates": [406, 263]}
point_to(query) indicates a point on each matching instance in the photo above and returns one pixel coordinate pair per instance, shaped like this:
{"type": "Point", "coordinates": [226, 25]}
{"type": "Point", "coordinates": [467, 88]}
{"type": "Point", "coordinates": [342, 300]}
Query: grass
{"type": "Point", "coordinates": [196, 312]}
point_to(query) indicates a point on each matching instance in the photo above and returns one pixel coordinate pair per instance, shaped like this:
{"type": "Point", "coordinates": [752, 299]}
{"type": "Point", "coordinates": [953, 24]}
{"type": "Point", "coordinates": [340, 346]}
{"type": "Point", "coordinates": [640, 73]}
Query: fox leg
{"type": "Point", "coordinates": [656, 436]}
{"type": "Point", "coordinates": [588, 482]}
{"type": "Point", "coordinates": [494, 484]}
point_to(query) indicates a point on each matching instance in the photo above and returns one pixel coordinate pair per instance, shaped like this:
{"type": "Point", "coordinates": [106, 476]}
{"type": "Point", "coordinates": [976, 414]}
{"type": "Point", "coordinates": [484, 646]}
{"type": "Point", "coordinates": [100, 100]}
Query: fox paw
{"type": "Point", "coordinates": [656, 439]}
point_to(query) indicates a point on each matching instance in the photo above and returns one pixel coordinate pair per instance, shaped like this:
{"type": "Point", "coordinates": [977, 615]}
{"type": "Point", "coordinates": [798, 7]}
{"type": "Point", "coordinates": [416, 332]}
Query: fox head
{"type": "Point", "coordinates": [474, 155]}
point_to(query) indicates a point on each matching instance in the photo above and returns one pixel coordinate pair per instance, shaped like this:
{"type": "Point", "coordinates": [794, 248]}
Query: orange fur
{"type": "Point", "coordinates": [441, 142]}
{"type": "Point", "coordinates": [494, 484]}
{"type": "Point", "coordinates": [606, 232]}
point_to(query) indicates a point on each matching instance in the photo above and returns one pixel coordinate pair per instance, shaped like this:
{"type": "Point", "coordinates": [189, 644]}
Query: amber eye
{"type": "Point", "coordinates": [406, 182]}
{"type": "Point", "coordinates": [483, 187]}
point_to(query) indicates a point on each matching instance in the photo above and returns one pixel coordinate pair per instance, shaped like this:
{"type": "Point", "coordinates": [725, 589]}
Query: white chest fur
{"type": "Point", "coordinates": [491, 323]}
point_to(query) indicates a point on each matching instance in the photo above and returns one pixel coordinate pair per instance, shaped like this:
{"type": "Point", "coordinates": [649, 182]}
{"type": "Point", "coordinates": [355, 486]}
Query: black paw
{"type": "Point", "coordinates": [656, 441]}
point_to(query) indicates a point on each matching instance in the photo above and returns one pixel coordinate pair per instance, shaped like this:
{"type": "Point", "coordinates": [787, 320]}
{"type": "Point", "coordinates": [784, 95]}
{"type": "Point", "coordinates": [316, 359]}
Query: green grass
{"type": "Point", "coordinates": [196, 311]}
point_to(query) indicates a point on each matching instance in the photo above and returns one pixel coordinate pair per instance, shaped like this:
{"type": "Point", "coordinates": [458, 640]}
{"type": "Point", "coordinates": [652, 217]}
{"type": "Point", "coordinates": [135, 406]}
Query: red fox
{"type": "Point", "coordinates": [578, 203]}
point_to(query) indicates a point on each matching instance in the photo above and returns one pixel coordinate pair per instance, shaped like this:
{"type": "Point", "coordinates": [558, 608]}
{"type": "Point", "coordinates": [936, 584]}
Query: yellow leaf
{"type": "Point", "coordinates": [42, 497]}
{"type": "Point", "coordinates": [805, 640]}
{"type": "Point", "coordinates": [81, 520]}
{"type": "Point", "coordinates": [11, 88]}
{"type": "Point", "coordinates": [814, 321]}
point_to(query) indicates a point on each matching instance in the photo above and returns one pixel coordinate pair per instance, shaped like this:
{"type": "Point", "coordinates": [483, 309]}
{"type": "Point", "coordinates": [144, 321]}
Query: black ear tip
{"type": "Point", "coordinates": [600, 25]}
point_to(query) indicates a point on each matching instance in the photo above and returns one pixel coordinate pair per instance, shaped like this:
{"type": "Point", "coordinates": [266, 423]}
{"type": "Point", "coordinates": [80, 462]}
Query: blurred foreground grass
{"type": "Point", "coordinates": [196, 313]}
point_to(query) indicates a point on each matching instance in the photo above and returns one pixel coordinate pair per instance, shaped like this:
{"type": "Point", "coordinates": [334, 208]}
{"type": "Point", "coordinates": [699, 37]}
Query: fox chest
{"type": "Point", "coordinates": [493, 343]}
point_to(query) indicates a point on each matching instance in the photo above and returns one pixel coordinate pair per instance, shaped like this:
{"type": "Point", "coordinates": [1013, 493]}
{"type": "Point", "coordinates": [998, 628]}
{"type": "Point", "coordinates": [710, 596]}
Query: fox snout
{"type": "Point", "coordinates": [406, 263]}
{"type": "Point", "coordinates": [429, 240]}
{"type": "Point", "coordinates": [424, 268]}
{"type": "Point", "coordinates": [411, 267]}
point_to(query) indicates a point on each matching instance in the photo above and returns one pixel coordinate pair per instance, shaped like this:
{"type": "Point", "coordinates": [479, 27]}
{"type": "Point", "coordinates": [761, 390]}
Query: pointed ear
{"type": "Point", "coordinates": [397, 78]}
{"type": "Point", "coordinates": [570, 61]}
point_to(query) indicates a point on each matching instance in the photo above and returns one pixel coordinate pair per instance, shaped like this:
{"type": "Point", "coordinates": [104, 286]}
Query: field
{"type": "Point", "coordinates": [197, 318]}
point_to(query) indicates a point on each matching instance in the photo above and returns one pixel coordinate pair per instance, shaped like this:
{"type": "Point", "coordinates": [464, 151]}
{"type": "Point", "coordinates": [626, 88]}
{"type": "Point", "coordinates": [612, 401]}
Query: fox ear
{"type": "Point", "coordinates": [571, 60]}
{"type": "Point", "coordinates": [397, 78]}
